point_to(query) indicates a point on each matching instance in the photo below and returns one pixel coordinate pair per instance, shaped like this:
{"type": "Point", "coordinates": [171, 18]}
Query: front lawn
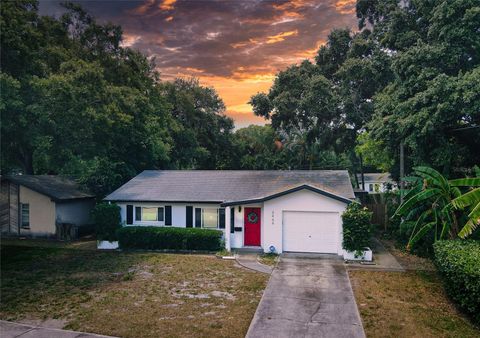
{"type": "Point", "coordinates": [410, 304]}
{"type": "Point", "coordinates": [128, 294]}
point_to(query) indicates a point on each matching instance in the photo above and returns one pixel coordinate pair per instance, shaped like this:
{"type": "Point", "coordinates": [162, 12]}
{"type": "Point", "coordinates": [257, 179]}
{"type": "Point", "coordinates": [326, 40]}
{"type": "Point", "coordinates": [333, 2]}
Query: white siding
{"type": "Point", "coordinates": [303, 200]}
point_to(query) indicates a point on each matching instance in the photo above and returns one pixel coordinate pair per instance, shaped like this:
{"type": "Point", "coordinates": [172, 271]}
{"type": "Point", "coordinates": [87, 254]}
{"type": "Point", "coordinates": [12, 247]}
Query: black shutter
{"type": "Point", "coordinates": [160, 214]}
{"type": "Point", "coordinates": [221, 216]}
{"type": "Point", "coordinates": [198, 217]}
{"type": "Point", "coordinates": [232, 220]}
{"type": "Point", "coordinates": [129, 214]}
{"type": "Point", "coordinates": [138, 213]}
{"type": "Point", "coordinates": [168, 215]}
{"type": "Point", "coordinates": [189, 216]}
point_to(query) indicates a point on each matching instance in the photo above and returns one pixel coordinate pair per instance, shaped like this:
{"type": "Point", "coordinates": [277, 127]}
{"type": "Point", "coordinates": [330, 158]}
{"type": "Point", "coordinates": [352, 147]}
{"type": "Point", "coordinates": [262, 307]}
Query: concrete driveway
{"type": "Point", "coordinates": [17, 330]}
{"type": "Point", "coordinates": [307, 296]}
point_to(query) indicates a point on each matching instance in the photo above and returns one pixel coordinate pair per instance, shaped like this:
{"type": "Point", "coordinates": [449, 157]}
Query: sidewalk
{"type": "Point", "coordinates": [14, 330]}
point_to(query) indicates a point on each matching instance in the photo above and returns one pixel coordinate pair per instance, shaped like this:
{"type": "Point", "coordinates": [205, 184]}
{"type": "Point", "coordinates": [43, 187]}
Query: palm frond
{"type": "Point", "coordinates": [433, 175]}
{"type": "Point", "coordinates": [466, 182]}
{"type": "Point", "coordinates": [470, 198]}
{"type": "Point", "coordinates": [417, 198]}
{"type": "Point", "coordinates": [419, 234]}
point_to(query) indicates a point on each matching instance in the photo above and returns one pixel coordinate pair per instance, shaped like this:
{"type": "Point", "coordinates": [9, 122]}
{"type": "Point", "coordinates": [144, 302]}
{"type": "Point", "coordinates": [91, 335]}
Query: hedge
{"type": "Point", "coordinates": [107, 221]}
{"type": "Point", "coordinates": [171, 238]}
{"type": "Point", "coordinates": [459, 265]}
{"type": "Point", "coordinates": [357, 229]}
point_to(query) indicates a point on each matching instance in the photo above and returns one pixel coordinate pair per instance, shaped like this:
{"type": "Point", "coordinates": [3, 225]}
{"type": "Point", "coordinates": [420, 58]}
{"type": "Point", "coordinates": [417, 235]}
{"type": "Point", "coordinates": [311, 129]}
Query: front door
{"type": "Point", "coordinates": [252, 226]}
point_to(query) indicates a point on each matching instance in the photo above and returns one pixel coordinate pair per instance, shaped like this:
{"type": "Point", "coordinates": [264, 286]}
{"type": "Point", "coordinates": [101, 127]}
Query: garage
{"type": "Point", "coordinates": [311, 231]}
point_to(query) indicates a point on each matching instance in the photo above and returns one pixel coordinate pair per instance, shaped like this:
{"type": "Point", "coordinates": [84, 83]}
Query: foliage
{"type": "Point", "coordinates": [171, 238]}
{"type": "Point", "coordinates": [470, 199]}
{"type": "Point", "coordinates": [459, 262]}
{"type": "Point", "coordinates": [107, 221]}
{"type": "Point", "coordinates": [75, 102]}
{"type": "Point", "coordinates": [373, 152]}
{"type": "Point", "coordinates": [428, 206]}
{"type": "Point", "coordinates": [357, 229]}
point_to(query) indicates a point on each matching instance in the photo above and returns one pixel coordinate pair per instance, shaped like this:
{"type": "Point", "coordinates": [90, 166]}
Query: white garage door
{"type": "Point", "coordinates": [305, 231]}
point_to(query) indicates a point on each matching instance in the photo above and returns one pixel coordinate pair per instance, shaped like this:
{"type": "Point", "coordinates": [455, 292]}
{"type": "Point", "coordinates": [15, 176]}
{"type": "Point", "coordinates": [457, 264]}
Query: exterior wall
{"type": "Point", "coordinates": [42, 213]}
{"type": "Point", "coordinates": [304, 200]}
{"type": "Point", "coordinates": [382, 186]}
{"type": "Point", "coordinates": [76, 212]}
{"type": "Point", "coordinates": [179, 218]}
{"type": "Point", "coordinates": [9, 195]}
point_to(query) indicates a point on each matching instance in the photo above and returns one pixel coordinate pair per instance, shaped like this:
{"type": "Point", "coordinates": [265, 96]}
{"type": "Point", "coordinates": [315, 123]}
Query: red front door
{"type": "Point", "coordinates": [252, 226]}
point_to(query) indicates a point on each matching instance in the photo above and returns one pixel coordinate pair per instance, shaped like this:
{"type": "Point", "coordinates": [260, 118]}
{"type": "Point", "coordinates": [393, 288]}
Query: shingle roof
{"type": "Point", "coordinates": [55, 187]}
{"type": "Point", "coordinates": [376, 177]}
{"type": "Point", "coordinates": [227, 185]}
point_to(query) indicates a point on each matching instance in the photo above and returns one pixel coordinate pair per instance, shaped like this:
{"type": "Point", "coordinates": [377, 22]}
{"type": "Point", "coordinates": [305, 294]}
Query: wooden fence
{"type": "Point", "coordinates": [380, 214]}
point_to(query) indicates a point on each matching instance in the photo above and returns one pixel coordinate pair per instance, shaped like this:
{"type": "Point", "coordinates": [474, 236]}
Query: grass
{"type": "Point", "coordinates": [127, 294]}
{"type": "Point", "coordinates": [410, 304]}
{"type": "Point", "coordinates": [269, 259]}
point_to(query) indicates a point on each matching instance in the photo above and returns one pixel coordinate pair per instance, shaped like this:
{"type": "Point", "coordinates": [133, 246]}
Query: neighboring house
{"type": "Point", "coordinates": [43, 206]}
{"type": "Point", "coordinates": [377, 182]}
{"type": "Point", "coordinates": [296, 211]}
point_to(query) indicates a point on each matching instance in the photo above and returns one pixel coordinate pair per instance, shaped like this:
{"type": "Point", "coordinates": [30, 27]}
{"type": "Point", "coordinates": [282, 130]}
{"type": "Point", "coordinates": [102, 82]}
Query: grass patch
{"type": "Point", "coordinates": [410, 304]}
{"type": "Point", "coordinates": [128, 294]}
{"type": "Point", "coordinates": [268, 259]}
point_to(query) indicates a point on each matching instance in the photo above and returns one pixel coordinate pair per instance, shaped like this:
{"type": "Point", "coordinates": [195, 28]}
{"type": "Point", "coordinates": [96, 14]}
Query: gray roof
{"type": "Point", "coordinates": [376, 177]}
{"type": "Point", "coordinates": [229, 185]}
{"type": "Point", "coordinates": [56, 187]}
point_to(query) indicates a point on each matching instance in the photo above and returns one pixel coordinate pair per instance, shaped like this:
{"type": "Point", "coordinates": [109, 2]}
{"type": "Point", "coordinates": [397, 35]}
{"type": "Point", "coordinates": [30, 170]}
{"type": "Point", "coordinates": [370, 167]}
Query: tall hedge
{"type": "Point", "coordinates": [107, 221]}
{"type": "Point", "coordinates": [171, 238]}
{"type": "Point", "coordinates": [459, 265]}
{"type": "Point", "coordinates": [357, 228]}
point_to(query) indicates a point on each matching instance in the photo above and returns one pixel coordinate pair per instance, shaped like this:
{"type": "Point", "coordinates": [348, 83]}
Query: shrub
{"type": "Point", "coordinates": [459, 265]}
{"type": "Point", "coordinates": [357, 229]}
{"type": "Point", "coordinates": [163, 238]}
{"type": "Point", "coordinates": [107, 221]}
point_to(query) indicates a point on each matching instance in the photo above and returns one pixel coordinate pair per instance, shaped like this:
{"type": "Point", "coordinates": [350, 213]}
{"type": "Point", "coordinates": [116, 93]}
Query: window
{"type": "Point", "coordinates": [210, 217]}
{"type": "Point", "coordinates": [370, 187]}
{"type": "Point", "coordinates": [25, 215]}
{"type": "Point", "coordinates": [149, 214]}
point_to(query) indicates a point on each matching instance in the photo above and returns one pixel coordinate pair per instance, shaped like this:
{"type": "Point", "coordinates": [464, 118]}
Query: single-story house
{"type": "Point", "coordinates": [377, 182]}
{"type": "Point", "coordinates": [44, 206]}
{"type": "Point", "coordinates": [293, 211]}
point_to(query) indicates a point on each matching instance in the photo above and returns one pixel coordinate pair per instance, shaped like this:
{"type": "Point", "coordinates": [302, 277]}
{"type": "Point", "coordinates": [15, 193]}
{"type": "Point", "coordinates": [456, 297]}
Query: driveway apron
{"type": "Point", "coordinates": [307, 297]}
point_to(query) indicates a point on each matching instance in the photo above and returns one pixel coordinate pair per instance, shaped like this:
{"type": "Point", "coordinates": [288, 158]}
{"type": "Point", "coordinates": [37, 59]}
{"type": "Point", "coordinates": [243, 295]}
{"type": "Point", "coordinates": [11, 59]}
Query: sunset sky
{"type": "Point", "coordinates": [235, 46]}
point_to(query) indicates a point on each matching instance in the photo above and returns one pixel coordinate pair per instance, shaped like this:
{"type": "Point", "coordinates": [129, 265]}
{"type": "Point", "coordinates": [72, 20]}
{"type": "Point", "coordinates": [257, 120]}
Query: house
{"type": "Point", "coordinates": [295, 211]}
{"type": "Point", "coordinates": [44, 206]}
{"type": "Point", "coordinates": [377, 182]}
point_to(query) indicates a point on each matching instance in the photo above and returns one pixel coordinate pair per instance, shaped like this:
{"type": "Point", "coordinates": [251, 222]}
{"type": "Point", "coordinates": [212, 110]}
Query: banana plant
{"type": "Point", "coordinates": [471, 200]}
{"type": "Point", "coordinates": [428, 206]}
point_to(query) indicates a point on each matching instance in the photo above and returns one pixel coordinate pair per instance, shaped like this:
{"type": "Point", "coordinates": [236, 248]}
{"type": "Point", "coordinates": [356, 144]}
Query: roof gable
{"type": "Point", "coordinates": [56, 187]}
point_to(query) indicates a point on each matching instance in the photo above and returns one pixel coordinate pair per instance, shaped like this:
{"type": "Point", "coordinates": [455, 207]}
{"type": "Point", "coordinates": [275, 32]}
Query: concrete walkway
{"type": "Point", "coordinates": [307, 297]}
{"type": "Point", "coordinates": [250, 261]}
{"type": "Point", "coordinates": [382, 260]}
{"type": "Point", "coordinates": [14, 330]}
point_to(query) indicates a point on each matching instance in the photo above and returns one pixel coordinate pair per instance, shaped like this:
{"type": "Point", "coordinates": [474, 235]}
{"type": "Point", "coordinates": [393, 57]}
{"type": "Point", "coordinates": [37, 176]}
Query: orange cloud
{"type": "Point", "coordinates": [167, 5]}
{"type": "Point", "coordinates": [280, 37]}
{"type": "Point", "coordinates": [345, 6]}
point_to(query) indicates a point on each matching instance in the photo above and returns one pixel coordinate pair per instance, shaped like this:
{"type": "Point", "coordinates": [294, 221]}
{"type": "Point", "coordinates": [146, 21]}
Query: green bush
{"type": "Point", "coordinates": [459, 265]}
{"type": "Point", "coordinates": [357, 229]}
{"type": "Point", "coordinates": [107, 221]}
{"type": "Point", "coordinates": [171, 238]}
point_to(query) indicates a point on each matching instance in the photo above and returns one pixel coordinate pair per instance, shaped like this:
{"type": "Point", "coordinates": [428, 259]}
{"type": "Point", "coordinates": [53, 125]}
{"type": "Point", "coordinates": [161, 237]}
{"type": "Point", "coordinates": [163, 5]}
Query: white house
{"type": "Point", "coordinates": [377, 182]}
{"type": "Point", "coordinates": [294, 211]}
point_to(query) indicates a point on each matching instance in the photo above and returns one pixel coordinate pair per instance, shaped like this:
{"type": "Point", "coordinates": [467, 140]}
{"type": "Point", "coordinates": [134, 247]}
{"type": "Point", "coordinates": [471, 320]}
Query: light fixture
{"type": "Point", "coordinates": [239, 208]}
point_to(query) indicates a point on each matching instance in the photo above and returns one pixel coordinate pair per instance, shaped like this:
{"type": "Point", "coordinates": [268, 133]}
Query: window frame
{"type": "Point", "coordinates": [203, 218]}
{"type": "Point", "coordinates": [22, 208]}
{"type": "Point", "coordinates": [139, 218]}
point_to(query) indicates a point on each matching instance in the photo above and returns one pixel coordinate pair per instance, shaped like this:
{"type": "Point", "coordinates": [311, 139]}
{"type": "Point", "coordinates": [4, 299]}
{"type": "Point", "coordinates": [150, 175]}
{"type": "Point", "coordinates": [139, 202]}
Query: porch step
{"type": "Point", "coordinates": [248, 250]}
